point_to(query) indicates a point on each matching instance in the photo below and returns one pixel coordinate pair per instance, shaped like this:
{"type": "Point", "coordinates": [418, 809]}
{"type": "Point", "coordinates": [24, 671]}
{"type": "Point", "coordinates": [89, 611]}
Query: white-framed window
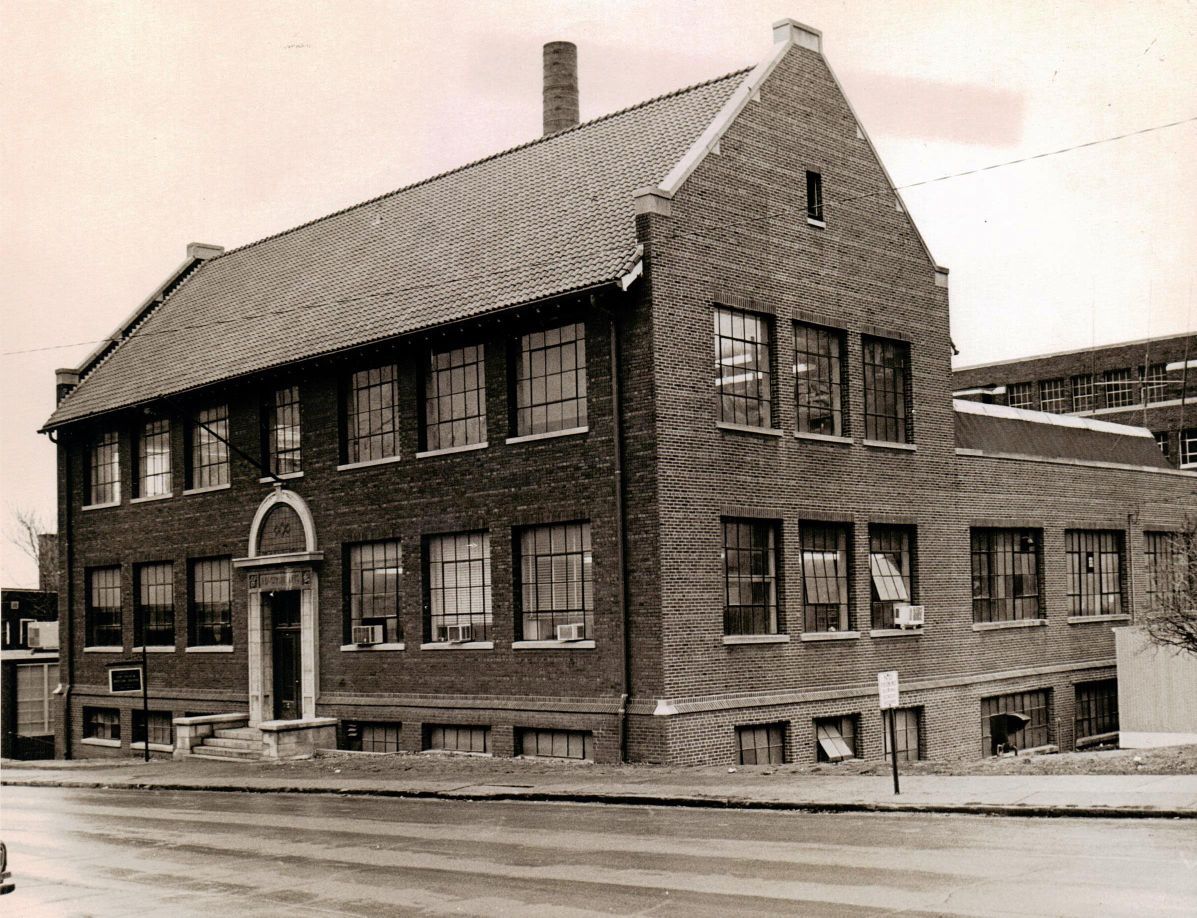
{"type": "Point", "coordinates": [1155, 383]}
{"type": "Point", "coordinates": [556, 580]}
{"type": "Point", "coordinates": [153, 459]}
{"type": "Point", "coordinates": [1188, 448]}
{"type": "Point", "coordinates": [1053, 396]}
{"type": "Point", "coordinates": [208, 452]}
{"type": "Point", "coordinates": [104, 469]}
{"type": "Point", "coordinates": [35, 686]}
{"type": "Point", "coordinates": [1083, 397]}
{"type": "Point", "coordinates": [1119, 388]}
{"type": "Point", "coordinates": [284, 453]}
{"type": "Point", "coordinates": [1021, 395]}
{"type": "Point", "coordinates": [458, 586]}
{"type": "Point", "coordinates": [373, 578]}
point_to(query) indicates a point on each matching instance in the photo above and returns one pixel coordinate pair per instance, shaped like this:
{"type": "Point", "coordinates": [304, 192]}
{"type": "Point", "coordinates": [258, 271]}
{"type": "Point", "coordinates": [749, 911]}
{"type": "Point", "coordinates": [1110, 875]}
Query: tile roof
{"type": "Point", "coordinates": [542, 219]}
{"type": "Point", "coordinates": [1001, 430]}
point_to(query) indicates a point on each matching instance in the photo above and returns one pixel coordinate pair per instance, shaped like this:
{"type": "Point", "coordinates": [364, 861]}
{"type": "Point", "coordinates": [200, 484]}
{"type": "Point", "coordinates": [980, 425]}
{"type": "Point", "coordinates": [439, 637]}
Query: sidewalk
{"type": "Point", "coordinates": [1126, 796]}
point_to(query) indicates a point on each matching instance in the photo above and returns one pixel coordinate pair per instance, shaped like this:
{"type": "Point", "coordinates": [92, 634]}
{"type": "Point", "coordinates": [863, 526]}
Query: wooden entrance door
{"type": "Point", "coordinates": [288, 694]}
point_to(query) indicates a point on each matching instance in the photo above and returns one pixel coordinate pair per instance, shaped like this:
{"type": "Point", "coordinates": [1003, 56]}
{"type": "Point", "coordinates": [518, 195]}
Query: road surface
{"type": "Point", "coordinates": [120, 852]}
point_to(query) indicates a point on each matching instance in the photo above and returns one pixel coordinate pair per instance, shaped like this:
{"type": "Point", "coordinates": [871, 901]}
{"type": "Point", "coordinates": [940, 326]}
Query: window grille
{"type": "Point", "coordinates": [374, 576]}
{"type": "Point", "coordinates": [372, 415]}
{"type": "Point", "coordinates": [104, 607]}
{"type": "Point", "coordinates": [556, 580]}
{"type": "Point", "coordinates": [102, 723]}
{"type": "Point", "coordinates": [283, 448]}
{"type": "Point", "coordinates": [1155, 383]}
{"type": "Point", "coordinates": [835, 738]}
{"type": "Point", "coordinates": [890, 572]}
{"type": "Point", "coordinates": [454, 738]}
{"type": "Point", "coordinates": [750, 577]}
{"type": "Point", "coordinates": [1021, 395]}
{"type": "Point", "coordinates": [1094, 572]}
{"type": "Point", "coordinates": [1083, 396]}
{"type": "Point", "coordinates": [761, 744]}
{"type": "Point", "coordinates": [211, 602]}
{"type": "Point", "coordinates": [455, 398]}
{"type": "Point", "coordinates": [154, 610]}
{"type": "Point", "coordinates": [906, 732]}
{"type": "Point", "coordinates": [1119, 388]}
{"type": "Point", "coordinates": [1034, 704]}
{"type": "Point", "coordinates": [104, 472]}
{"type": "Point", "coordinates": [556, 744]}
{"type": "Point", "coordinates": [1005, 574]}
{"type": "Point", "coordinates": [819, 379]}
{"type": "Point", "coordinates": [153, 459]}
{"type": "Point", "coordinates": [209, 447]}
{"type": "Point", "coordinates": [459, 585]}
{"type": "Point", "coordinates": [1053, 396]}
{"type": "Point", "coordinates": [1096, 708]}
{"type": "Point", "coordinates": [550, 380]}
{"type": "Point", "coordinates": [824, 576]}
{"type": "Point", "coordinates": [886, 390]}
{"type": "Point", "coordinates": [743, 374]}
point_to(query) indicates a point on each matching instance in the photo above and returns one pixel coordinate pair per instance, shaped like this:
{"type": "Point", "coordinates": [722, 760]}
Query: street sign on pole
{"type": "Point", "coordinates": [887, 691]}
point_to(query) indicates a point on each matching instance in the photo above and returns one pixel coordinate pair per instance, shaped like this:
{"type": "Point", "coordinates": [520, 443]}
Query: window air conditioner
{"type": "Point", "coordinates": [458, 634]}
{"type": "Point", "coordinates": [43, 635]}
{"type": "Point", "coordinates": [367, 634]}
{"type": "Point", "coordinates": [909, 616]}
{"type": "Point", "coordinates": [576, 632]}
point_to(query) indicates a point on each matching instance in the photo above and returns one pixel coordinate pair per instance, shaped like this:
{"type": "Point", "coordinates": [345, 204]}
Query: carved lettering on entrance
{"type": "Point", "coordinates": [281, 580]}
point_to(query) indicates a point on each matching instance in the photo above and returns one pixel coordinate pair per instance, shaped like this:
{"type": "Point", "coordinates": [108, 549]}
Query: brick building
{"type": "Point", "coordinates": [1150, 383]}
{"type": "Point", "coordinates": [636, 441]}
{"type": "Point", "coordinates": [28, 673]}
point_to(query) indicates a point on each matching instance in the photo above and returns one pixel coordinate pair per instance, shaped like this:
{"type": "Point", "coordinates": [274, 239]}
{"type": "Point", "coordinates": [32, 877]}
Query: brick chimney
{"type": "Point", "coordinates": [560, 86]}
{"type": "Point", "coordinates": [65, 381]}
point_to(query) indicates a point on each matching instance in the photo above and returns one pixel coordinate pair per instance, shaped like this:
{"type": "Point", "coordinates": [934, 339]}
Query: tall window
{"type": "Point", "coordinates": [1035, 704]}
{"type": "Point", "coordinates": [455, 398]}
{"type": "Point", "coordinates": [102, 723]}
{"type": "Point", "coordinates": [819, 379]}
{"type": "Point", "coordinates": [750, 577]}
{"type": "Point", "coordinates": [459, 586]}
{"type": "Point", "coordinates": [814, 195]}
{"type": "Point", "coordinates": [906, 732]}
{"type": "Point", "coordinates": [1188, 447]}
{"type": "Point", "coordinates": [886, 389]}
{"type": "Point", "coordinates": [1119, 387]}
{"type": "Point", "coordinates": [556, 581]}
{"type": "Point", "coordinates": [743, 378]}
{"type": "Point", "coordinates": [152, 478]}
{"type": "Point", "coordinates": [550, 380]}
{"type": "Point", "coordinates": [890, 571]}
{"type": "Point", "coordinates": [1155, 383]}
{"type": "Point", "coordinates": [1094, 572]}
{"type": "Point", "coordinates": [761, 744]}
{"type": "Point", "coordinates": [1053, 396]}
{"type": "Point", "coordinates": [1021, 395]}
{"type": "Point", "coordinates": [1082, 393]}
{"type": "Point", "coordinates": [1005, 565]}
{"type": "Point", "coordinates": [372, 415]}
{"type": "Point", "coordinates": [104, 469]}
{"type": "Point", "coordinates": [1096, 708]}
{"type": "Point", "coordinates": [1165, 565]}
{"type": "Point", "coordinates": [209, 448]}
{"type": "Point", "coordinates": [283, 455]}
{"type": "Point", "coordinates": [824, 576]}
{"type": "Point", "coordinates": [160, 724]}
{"type": "Point", "coordinates": [374, 574]}
{"type": "Point", "coordinates": [35, 698]}
{"type": "Point", "coordinates": [154, 609]}
{"type": "Point", "coordinates": [104, 607]}
{"type": "Point", "coordinates": [211, 602]}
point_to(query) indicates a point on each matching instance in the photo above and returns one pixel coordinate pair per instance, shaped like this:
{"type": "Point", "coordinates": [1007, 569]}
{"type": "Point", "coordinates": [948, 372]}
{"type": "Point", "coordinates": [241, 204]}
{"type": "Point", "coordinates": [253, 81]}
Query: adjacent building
{"type": "Point", "coordinates": [634, 442]}
{"type": "Point", "coordinates": [28, 673]}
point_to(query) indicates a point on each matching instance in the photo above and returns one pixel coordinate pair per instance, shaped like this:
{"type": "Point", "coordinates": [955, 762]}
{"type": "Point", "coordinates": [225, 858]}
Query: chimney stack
{"type": "Point", "coordinates": [560, 86]}
{"type": "Point", "coordinates": [65, 380]}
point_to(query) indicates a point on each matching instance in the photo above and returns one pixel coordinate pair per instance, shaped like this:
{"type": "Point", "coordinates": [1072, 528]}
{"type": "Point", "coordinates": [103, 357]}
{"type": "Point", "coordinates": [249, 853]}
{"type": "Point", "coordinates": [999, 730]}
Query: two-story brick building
{"type": "Point", "coordinates": [636, 441]}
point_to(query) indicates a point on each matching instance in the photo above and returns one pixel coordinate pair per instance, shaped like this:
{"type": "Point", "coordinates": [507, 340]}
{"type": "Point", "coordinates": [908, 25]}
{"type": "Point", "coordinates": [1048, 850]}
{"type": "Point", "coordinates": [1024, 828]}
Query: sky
{"type": "Point", "coordinates": [134, 128]}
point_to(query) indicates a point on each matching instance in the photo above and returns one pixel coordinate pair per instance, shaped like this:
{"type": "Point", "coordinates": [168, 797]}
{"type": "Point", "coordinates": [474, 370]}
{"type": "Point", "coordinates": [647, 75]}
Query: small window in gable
{"type": "Point", "coordinates": [814, 196]}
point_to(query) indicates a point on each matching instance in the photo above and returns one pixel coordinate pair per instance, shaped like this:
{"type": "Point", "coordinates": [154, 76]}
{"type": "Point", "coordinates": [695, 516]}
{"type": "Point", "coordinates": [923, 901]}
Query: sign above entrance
{"type": "Point", "coordinates": [280, 580]}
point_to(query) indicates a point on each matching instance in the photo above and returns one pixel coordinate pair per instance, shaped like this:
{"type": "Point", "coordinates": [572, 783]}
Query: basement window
{"type": "Point", "coordinates": [761, 744]}
{"type": "Point", "coordinates": [814, 196]}
{"type": "Point", "coordinates": [835, 738]}
{"type": "Point", "coordinates": [556, 744]}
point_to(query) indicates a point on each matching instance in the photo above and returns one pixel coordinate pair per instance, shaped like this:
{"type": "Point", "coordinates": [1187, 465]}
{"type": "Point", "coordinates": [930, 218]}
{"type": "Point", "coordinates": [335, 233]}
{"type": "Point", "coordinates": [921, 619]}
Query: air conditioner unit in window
{"type": "Point", "coordinates": [909, 616]}
{"type": "Point", "coordinates": [367, 634]}
{"type": "Point", "coordinates": [576, 632]}
{"type": "Point", "coordinates": [43, 635]}
{"type": "Point", "coordinates": [458, 634]}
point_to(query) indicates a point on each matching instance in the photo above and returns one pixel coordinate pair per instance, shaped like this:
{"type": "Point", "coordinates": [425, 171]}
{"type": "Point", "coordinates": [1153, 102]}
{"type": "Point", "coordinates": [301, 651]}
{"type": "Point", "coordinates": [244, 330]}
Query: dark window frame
{"type": "Point", "coordinates": [104, 622]}
{"type": "Point", "coordinates": [370, 424]}
{"type": "Point", "coordinates": [211, 621]}
{"type": "Point", "coordinates": [451, 737]}
{"type": "Point", "coordinates": [754, 739]}
{"type": "Point", "coordinates": [1054, 396]}
{"type": "Point", "coordinates": [549, 387]}
{"type": "Point", "coordinates": [453, 398]}
{"type": "Point", "coordinates": [844, 726]}
{"type": "Point", "coordinates": [908, 728]}
{"type": "Point", "coordinates": [207, 454]}
{"type": "Point", "coordinates": [814, 546]}
{"type": "Point", "coordinates": [565, 542]}
{"type": "Point", "coordinates": [814, 196]}
{"type": "Point", "coordinates": [1092, 575]}
{"type": "Point", "coordinates": [355, 582]}
{"type": "Point", "coordinates": [739, 357]}
{"type": "Point", "coordinates": [882, 543]}
{"type": "Point", "coordinates": [437, 586]}
{"type": "Point", "coordinates": [1095, 708]}
{"type": "Point", "coordinates": [1035, 703]}
{"type": "Point", "coordinates": [888, 399]}
{"type": "Point", "coordinates": [152, 471]}
{"type": "Point", "coordinates": [820, 396]}
{"type": "Point", "coordinates": [998, 559]}
{"type": "Point", "coordinates": [282, 413]}
{"type": "Point", "coordinates": [103, 476]}
{"type": "Point", "coordinates": [138, 724]}
{"type": "Point", "coordinates": [101, 723]}
{"type": "Point", "coordinates": [154, 621]}
{"type": "Point", "coordinates": [554, 743]}
{"type": "Point", "coordinates": [762, 615]}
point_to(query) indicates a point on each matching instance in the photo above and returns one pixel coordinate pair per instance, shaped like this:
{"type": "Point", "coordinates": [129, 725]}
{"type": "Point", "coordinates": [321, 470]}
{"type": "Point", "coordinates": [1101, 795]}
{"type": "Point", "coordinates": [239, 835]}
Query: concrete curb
{"type": "Point", "coordinates": [721, 803]}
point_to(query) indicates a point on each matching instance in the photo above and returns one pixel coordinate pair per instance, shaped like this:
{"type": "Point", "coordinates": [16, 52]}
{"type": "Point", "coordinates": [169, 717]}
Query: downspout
{"type": "Point", "coordinates": [66, 571]}
{"type": "Point", "coordinates": [621, 554]}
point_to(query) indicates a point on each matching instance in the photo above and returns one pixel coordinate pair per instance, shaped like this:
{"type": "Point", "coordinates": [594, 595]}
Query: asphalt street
{"type": "Point", "coordinates": [123, 852]}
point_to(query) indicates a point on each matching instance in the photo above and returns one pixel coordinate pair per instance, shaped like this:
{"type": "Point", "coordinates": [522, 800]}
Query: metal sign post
{"type": "Point", "coordinates": [887, 690]}
{"type": "Point", "coordinates": [145, 692]}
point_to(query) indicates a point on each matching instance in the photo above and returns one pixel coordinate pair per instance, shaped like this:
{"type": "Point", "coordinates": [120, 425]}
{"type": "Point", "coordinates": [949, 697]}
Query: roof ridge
{"type": "Point", "coordinates": [485, 159]}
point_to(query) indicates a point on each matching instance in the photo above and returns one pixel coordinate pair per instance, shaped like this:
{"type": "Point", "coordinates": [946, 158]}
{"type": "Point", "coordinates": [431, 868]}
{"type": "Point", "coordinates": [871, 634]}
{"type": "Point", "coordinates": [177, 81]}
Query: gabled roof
{"type": "Point", "coordinates": [998, 430]}
{"type": "Point", "coordinates": [540, 220]}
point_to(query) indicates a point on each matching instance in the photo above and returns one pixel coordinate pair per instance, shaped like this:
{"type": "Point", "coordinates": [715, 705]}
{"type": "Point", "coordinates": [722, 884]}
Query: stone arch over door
{"type": "Point", "coordinates": [282, 507]}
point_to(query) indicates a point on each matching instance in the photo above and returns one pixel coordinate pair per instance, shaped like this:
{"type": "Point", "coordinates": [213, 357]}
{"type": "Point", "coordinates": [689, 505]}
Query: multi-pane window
{"type": "Point", "coordinates": [374, 573]}
{"type": "Point", "coordinates": [455, 398]}
{"type": "Point", "coordinates": [761, 744]}
{"type": "Point", "coordinates": [890, 571]}
{"type": "Point", "coordinates": [161, 728]}
{"type": "Point", "coordinates": [1155, 383]}
{"type": "Point", "coordinates": [743, 373]}
{"type": "Point", "coordinates": [211, 602]}
{"type": "Point", "coordinates": [459, 586]}
{"type": "Point", "coordinates": [1165, 566]}
{"type": "Point", "coordinates": [152, 478]}
{"type": "Point", "coordinates": [819, 379]}
{"type": "Point", "coordinates": [1096, 708]}
{"type": "Point", "coordinates": [749, 577]}
{"type": "Point", "coordinates": [104, 469]}
{"type": "Point", "coordinates": [550, 380]}
{"type": "Point", "coordinates": [154, 608]}
{"type": "Point", "coordinates": [455, 738]}
{"type": "Point", "coordinates": [1094, 572]}
{"type": "Point", "coordinates": [35, 698]}
{"type": "Point", "coordinates": [906, 733]}
{"type": "Point", "coordinates": [824, 576]}
{"type": "Point", "coordinates": [372, 415]}
{"type": "Point", "coordinates": [555, 744]}
{"type": "Point", "coordinates": [1020, 395]}
{"type": "Point", "coordinates": [1005, 567]}
{"type": "Point", "coordinates": [1053, 396]}
{"type": "Point", "coordinates": [556, 581]}
{"type": "Point", "coordinates": [835, 738]}
{"type": "Point", "coordinates": [1188, 447]}
{"type": "Point", "coordinates": [1035, 704]}
{"type": "Point", "coordinates": [1119, 388]}
{"type": "Point", "coordinates": [209, 448]}
{"type": "Point", "coordinates": [814, 195]}
{"type": "Point", "coordinates": [104, 607]}
{"type": "Point", "coordinates": [1082, 393]}
{"type": "Point", "coordinates": [283, 454]}
{"type": "Point", "coordinates": [1161, 440]}
{"type": "Point", "coordinates": [358, 736]}
{"type": "Point", "coordinates": [886, 390]}
{"type": "Point", "coordinates": [102, 723]}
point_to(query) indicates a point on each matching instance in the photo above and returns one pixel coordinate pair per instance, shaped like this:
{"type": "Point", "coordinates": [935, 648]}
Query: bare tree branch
{"type": "Point", "coordinates": [23, 530]}
{"type": "Point", "coordinates": [1171, 615]}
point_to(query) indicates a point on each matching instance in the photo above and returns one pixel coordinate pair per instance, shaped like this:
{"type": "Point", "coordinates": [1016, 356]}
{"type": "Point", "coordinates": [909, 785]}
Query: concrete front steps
{"type": "Point", "coordinates": [229, 737]}
{"type": "Point", "coordinates": [236, 743]}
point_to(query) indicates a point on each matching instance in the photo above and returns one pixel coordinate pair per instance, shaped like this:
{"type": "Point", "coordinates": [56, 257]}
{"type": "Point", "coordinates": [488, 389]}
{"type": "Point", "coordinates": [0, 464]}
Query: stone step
{"type": "Point", "coordinates": [238, 732]}
{"type": "Point", "coordinates": [228, 742]}
{"type": "Point", "coordinates": [203, 749]}
{"type": "Point", "coordinates": [235, 756]}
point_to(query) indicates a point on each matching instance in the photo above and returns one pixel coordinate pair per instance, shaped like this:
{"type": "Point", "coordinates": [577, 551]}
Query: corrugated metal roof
{"type": "Point", "coordinates": [546, 218]}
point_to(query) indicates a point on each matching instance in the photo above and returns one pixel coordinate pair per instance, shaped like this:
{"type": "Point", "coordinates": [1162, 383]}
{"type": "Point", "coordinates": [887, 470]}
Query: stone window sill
{"type": "Point", "coordinates": [149, 498]}
{"type": "Point", "coordinates": [207, 489]}
{"type": "Point", "coordinates": [367, 463]}
{"type": "Point", "coordinates": [885, 444]}
{"type": "Point", "coordinates": [449, 450]}
{"type": "Point", "coordinates": [823, 438]}
{"type": "Point", "coordinates": [830, 635]}
{"type": "Point", "coordinates": [285, 476]}
{"type": "Point", "coordinates": [111, 503]}
{"type": "Point", "coordinates": [210, 648]}
{"type": "Point", "coordinates": [749, 429]}
{"type": "Point", "coordinates": [103, 649]}
{"type": "Point", "coordinates": [552, 645]}
{"type": "Point", "coordinates": [549, 434]}
{"type": "Point", "coordinates": [896, 632]}
{"type": "Point", "coordinates": [155, 648]}
{"type": "Point", "coordinates": [1086, 619]}
{"type": "Point", "coordinates": [372, 648]}
{"type": "Point", "coordinates": [1000, 626]}
{"type": "Point", "coordinates": [821, 224]}
{"type": "Point", "coordinates": [96, 741]}
{"type": "Point", "coordinates": [733, 639]}
{"type": "Point", "coordinates": [464, 645]}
